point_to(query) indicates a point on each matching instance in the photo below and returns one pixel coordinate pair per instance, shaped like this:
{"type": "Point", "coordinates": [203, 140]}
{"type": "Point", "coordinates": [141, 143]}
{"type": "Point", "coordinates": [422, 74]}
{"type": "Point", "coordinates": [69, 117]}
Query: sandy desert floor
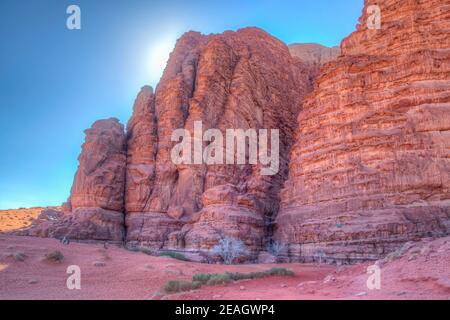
{"type": "Point", "coordinates": [419, 271]}
{"type": "Point", "coordinates": [422, 273]}
{"type": "Point", "coordinates": [11, 220]}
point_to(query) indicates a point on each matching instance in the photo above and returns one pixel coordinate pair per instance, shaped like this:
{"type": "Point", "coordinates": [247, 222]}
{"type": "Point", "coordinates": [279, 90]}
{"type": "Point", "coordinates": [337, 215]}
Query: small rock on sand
{"type": "Point", "coordinates": [361, 294]}
{"type": "Point", "coordinates": [99, 264]}
{"type": "Point", "coordinates": [329, 278]}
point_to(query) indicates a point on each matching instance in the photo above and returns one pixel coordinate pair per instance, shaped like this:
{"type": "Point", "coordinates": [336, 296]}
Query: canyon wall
{"type": "Point", "coordinates": [364, 160]}
{"type": "Point", "coordinates": [128, 187]}
{"type": "Point", "coordinates": [370, 168]}
{"type": "Point", "coordinates": [235, 80]}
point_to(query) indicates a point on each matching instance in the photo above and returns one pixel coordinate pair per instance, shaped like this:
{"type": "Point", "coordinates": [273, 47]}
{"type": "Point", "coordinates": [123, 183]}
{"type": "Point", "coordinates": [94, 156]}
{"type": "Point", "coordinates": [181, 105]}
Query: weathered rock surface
{"type": "Point", "coordinates": [99, 181]}
{"type": "Point", "coordinates": [141, 152]}
{"type": "Point", "coordinates": [314, 53]}
{"type": "Point", "coordinates": [83, 224]}
{"type": "Point", "coordinates": [369, 171]}
{"type": "Point", "coordinates": [96, 204]}
{"type": "Point", "coordinates": [370, 168]}
{"type": "Point", "coordinates": [235, 80]}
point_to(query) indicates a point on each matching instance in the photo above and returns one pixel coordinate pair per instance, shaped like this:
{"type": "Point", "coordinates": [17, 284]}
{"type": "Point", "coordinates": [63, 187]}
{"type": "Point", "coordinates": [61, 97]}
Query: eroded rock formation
{"type": "Point", "coordinates": [236, 80]}
{"type": "Point", "coordinates": [95, 208]}
{"type": "Point", "coordinates": [370, 168]}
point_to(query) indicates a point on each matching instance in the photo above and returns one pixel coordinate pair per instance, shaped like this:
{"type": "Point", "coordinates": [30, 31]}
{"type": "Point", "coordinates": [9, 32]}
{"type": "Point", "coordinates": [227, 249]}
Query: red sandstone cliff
{"type": "Point", "coordinates": [370, 168]}
{"type": "Point", "coordinates": [94, 210]}
{"type": "Point", "coordinates": [236, 80]}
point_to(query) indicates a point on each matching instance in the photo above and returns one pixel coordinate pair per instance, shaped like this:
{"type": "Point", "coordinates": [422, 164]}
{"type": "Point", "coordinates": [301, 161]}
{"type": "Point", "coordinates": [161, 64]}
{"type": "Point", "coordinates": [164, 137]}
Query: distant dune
{"type": "Point", "coordinates": [16, 219]}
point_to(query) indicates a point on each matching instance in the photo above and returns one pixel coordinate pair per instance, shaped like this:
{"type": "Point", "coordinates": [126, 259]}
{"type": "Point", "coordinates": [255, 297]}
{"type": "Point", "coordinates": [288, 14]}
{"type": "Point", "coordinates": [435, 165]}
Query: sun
{"type": "Point", "coordinates": [159, 55]}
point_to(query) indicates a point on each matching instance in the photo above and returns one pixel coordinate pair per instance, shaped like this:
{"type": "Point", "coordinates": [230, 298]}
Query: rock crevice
{"type": "Point", "coordinates": [364, 154]}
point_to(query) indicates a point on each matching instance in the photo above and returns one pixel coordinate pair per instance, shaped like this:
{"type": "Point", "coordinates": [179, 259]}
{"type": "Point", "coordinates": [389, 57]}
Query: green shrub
{"type": "Point", "coordinates": [146, 251]}
{"type": "Point", "coordinates": [202, 277]}
{"type": "Point", "coordinates": [217, 279]}
{"type": "Point", "coordinates": [181, 286]}
{"type": "Point", "coordinates": [212, 279]}
{"type": "Point", "coordinates": [238, 276]}
{"type": "Point", "coordinates": [174, 255]}
{"type": "Point", "coordinates": [279, 272]}
{"type": "Point", "coordinates": [256, 275]}
{"type": "Point", "coordinates": [55, 256]}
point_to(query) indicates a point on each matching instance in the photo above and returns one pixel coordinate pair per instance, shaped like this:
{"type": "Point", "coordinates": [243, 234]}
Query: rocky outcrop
{"type": "Point", "coordinates": [314, 53]}
{"type": "Point", "coordinates": [235, 80]}
{"type": "Point", "coordinates": [99, 181]}
{"type": "Point", "coordinates": [370, 168]}
{"type": "Point", "coordinates": [96, 204]}
{"type": "Point", "coordinates": [141, 152]}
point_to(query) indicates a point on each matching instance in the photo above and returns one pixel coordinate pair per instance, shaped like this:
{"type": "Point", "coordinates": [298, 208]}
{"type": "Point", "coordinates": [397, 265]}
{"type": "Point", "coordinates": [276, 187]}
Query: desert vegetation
{"type": "Point", "coordinates": [54, 256]}
{"type": "Point", "coordinates": [212, 279]}
{"type": "Point", "coordinates": [229, 249]}
{"type": "Point", "coordinates": [173, 255]}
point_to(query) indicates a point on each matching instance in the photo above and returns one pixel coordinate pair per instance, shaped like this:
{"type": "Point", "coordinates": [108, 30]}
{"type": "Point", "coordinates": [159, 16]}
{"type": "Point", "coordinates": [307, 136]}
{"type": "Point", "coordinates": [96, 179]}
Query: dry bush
{"type": "Point", "coordinates": [229, 249]}
{"type": "Point", "coordinates": [54, 256]}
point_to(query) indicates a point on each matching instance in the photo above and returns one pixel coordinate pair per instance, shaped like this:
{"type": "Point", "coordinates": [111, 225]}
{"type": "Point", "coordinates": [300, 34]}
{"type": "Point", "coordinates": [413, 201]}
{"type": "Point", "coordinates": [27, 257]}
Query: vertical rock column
{"type": "Point", "coordinates": [96, 204]}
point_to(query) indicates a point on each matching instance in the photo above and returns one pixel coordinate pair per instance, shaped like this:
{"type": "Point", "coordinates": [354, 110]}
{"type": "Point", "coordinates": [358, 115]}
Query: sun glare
{"type": "Point", "coordinates": [159, 55]}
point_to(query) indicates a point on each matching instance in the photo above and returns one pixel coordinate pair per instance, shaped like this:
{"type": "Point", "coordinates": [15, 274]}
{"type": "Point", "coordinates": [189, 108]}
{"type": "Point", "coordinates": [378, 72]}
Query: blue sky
{"type": "Point", "coordinates": [54, 82]}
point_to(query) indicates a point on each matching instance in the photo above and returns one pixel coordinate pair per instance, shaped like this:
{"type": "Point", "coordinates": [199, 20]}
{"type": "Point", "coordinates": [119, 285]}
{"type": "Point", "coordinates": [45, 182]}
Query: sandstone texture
{"type": "Point", "coordinates": [99, 181]}
{"type": "Point", "coordinates": [370, 168]}
{"type": "Point", "coordinates": [95, 208]}
{"type": "Point", "coordinates": [235, 80]}
{"type": "Point", "coordinates": [364, 158]}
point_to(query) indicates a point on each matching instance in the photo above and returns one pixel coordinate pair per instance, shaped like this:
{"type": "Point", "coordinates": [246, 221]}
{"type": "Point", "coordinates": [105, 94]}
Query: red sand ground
{"type": "Point", "coordinates": [131, 275]}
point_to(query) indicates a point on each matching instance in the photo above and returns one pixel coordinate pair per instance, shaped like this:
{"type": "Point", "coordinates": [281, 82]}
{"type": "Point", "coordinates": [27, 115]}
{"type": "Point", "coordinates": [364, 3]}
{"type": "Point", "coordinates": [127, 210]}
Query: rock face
{"type": "Point", "coordinates": [96, 204]}
{"type": "Point", "coordinates": [235, 80]}
{"type": "Point", "coordinates": [100, 179]}
{"type": "Point", "coordinates": [370, 168]}
{"type": "Point", "coordinates": [314, 53]}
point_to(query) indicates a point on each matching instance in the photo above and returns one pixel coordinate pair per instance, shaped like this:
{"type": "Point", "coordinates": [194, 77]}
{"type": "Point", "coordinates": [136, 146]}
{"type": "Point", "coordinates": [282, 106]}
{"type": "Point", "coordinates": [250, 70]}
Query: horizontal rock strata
{"type": "Point", "coordinates": [370, 168]}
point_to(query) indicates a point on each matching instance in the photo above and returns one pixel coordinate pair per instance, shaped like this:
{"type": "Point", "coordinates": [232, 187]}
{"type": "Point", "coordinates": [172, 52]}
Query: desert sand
{"type": "Point", "coordinates": [421, 273]}
{"type": "Point", "coordinates": [18, 218]}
